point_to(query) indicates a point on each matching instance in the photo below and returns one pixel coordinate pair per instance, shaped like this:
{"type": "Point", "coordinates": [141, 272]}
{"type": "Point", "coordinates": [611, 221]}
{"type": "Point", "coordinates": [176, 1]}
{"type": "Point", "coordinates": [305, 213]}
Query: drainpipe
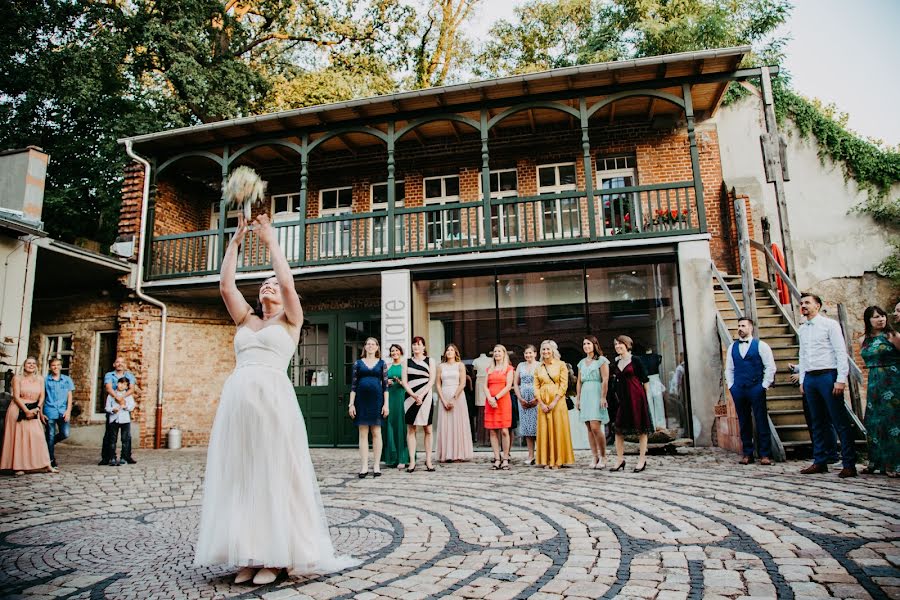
{"type": "Point", "coordinates": [145, 194]}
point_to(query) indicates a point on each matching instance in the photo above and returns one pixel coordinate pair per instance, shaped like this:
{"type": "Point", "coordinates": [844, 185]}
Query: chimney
{"type": "Point", "coordinates": [22, 175]}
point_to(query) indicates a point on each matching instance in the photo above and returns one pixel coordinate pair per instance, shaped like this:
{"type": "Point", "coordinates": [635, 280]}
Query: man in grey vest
{"type": "Point", "coordinates": [749, 371]}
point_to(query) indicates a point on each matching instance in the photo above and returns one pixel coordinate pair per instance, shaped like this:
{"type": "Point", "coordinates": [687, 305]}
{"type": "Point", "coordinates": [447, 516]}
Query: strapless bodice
{"type": "Point", "coordinates": [272, 346]}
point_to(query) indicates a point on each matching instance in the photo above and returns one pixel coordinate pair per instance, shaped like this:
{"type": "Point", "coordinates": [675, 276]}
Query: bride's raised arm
{"type": "Point", "coordinates": [293, 310]}
{"type": "Point", "coordinates": [234, 301]}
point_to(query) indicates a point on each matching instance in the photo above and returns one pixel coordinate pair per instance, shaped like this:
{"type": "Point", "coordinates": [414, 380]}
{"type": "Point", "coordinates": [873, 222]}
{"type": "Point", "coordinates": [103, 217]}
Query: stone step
{"type": "Point", "coordinates": [784, 403]}
{"type": "Point", "coordinates": [793, 433]}
{"type": "Point", "coordinates": [787, 417]}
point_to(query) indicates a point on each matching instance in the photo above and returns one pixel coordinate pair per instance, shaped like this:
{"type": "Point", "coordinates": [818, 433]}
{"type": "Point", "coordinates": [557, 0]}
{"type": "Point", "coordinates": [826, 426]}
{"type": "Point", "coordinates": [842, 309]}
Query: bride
{"type": "Point", "coordinates": [261, 505]}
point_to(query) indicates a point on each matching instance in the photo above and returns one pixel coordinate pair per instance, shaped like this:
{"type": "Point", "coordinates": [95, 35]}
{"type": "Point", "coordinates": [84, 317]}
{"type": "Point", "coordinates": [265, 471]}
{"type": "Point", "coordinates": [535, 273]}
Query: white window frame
{"type": "Point", "coordinates": [46, 351]}
{"type": "Point", "coordinates": [446, 224]}
{"type": "Point", "coordinates": [95, 373]}
{"type": "Point", "coordinates": [558, 204]}
{"type": "Point", "coordinates": [290, 204]}
{"type": "Point", "coordinates": [380, 222]}
{"type": "Point", "coordinates": [339, 231]}
{"type": "Point", "coordinates": [213, 257]}
{"type": "Point", "coordinates": [503, 212]}
{"type": "Point", "coordinates": [602, 174]}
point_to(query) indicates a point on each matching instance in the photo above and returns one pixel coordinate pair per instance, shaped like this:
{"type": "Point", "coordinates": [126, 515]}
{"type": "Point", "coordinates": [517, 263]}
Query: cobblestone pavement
{"type": "Point", "coordinates": [691, 526]}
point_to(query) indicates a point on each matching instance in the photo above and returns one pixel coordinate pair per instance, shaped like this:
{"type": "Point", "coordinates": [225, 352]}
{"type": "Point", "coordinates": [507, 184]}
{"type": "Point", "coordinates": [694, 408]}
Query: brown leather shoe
{"type": "Point", "coordinates": [814, 468]}
{"type": "Point", "coordinates": [847, 472]}
{"type": "Point", "coordinates": [765, 460]}
{"type": "Point", "coordinates": [746, 460]}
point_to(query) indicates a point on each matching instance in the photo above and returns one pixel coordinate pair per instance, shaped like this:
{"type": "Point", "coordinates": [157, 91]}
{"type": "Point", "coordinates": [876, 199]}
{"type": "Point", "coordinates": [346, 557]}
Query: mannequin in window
{"type": "Point", "coordinates": [651, 362]}
{"type": "Point", "coordinates": [481, 366]}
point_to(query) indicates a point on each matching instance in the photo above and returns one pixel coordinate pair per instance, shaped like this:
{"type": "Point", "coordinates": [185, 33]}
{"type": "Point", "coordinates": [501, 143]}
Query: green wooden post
{"type": "Point", "coordinates": [588, 168]}
{"type": "Point", "coordinates": [695, 158]}
{"type": "Point", "coordinates": [391, 192]}
{"type": "Point", "coordinates": [304, 182]}
{"type": "Point", "coordinates": [223, 211]}
{"type": "Point", "coordinates": [485, 179]}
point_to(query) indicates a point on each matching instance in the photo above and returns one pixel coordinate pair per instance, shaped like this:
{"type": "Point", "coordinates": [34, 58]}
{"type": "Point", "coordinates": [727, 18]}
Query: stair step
{"type": "Point", "coordinates": [787, 418]}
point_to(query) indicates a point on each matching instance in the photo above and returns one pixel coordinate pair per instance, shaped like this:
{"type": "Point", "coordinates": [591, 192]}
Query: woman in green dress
{"type": "Point", "coordinates": [880, 349]}
{"type": "Point", "coordinates": [396, 453]}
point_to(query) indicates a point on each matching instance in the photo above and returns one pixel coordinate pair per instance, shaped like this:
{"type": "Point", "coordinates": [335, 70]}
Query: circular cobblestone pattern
{"type": "Point", "coordinates": [695, 525]}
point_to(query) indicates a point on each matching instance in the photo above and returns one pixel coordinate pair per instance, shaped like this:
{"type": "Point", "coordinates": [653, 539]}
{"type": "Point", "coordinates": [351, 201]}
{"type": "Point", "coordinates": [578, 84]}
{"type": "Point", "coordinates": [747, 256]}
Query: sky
{"type": "Point", "coordinates": [840, 51]}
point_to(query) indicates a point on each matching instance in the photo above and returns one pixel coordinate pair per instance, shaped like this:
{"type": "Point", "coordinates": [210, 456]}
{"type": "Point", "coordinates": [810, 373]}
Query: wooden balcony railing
{"type": "Point", "coordinates": [435, 230]}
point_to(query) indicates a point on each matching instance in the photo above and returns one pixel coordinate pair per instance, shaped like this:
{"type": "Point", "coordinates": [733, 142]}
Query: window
{"type": "Point", "coordinates": [379, 193]}
{"type": "Point", "coordinates": [560, 217]}
{"type": "Point", "coordinates": [442, 226]}
{"type": "Point", "coordinates": [285, 203]}
{"type": "Point", "coordinates": [334, 236]}
{"type": "Point", "coordinates": [61, 347]}
{"type": "Point", "coordinates": [504, 225]}
{"type": "Point", "coordinates": [310, 365]}
{"type": "Point", "coordinates": [231, 217]}
{"type": "Point", "coordinates": [617, 172]}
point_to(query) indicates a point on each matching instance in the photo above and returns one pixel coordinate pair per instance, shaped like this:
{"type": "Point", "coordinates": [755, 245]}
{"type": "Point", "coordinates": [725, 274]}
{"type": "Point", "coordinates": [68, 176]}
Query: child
{"type": "Point", "coordinates": [118, 414]}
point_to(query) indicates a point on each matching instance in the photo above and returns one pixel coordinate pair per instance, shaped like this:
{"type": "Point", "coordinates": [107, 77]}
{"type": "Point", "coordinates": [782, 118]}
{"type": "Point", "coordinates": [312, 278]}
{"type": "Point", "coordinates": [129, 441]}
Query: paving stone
{"type": "Point", "coordinates": [690, 528]}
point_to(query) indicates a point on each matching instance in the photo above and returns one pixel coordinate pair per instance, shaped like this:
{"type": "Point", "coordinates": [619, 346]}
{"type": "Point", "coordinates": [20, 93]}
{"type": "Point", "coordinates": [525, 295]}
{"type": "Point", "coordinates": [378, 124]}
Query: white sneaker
{"type": "Point", "coordinates": [245, 575]}
{"type": "Point", "coordinates": [264, 576]}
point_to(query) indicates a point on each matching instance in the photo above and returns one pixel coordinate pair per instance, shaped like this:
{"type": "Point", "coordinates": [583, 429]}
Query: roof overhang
{"type": "Point", "coordinates": [708, 72]}
{"type": "Point", "coordinates": [64, 269]}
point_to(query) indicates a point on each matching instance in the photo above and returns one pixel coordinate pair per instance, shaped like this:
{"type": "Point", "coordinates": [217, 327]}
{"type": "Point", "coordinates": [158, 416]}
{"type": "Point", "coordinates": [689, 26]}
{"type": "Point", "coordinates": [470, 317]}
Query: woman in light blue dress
{"type": "Point", "coordinates": [524, 387]}
{"type": "Point", "coordinates": [590, 399]}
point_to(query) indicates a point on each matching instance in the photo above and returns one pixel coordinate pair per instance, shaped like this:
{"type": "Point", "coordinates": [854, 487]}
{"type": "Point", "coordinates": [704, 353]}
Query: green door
{"type": "Point", "coordinates": [313, 372]}
{"type": "Point", "coordinates": [354, 328]}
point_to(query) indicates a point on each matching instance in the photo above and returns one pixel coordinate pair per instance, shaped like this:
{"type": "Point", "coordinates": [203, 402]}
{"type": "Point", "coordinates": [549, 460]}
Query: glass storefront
{"type": "Point", "coordinates": [564, 302]}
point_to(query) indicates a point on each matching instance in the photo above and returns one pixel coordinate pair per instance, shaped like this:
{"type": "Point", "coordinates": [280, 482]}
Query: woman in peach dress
{"type": "Point", "coordinates": [454, 440]}
{"type": "Point", "coordinates": [24, 445]}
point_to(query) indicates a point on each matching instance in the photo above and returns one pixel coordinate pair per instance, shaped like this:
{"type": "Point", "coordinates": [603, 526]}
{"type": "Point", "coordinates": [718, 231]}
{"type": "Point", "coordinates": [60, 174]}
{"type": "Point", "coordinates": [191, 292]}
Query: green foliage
{"type": "Point", "coordinates": [549, 34]}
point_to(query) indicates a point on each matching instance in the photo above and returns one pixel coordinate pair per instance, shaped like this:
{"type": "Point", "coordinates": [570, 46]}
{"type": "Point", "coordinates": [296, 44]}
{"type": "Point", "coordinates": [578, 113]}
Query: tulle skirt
{"type": "Point", "coordinates": [261, 501]}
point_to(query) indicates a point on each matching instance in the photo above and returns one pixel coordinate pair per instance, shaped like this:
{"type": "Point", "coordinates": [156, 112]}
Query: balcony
{"type": "Point", "coordinates": [565, 218]}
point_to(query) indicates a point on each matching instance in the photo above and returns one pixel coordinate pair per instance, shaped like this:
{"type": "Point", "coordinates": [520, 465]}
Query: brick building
{"type": "Point", "coordinates": [549, 205]}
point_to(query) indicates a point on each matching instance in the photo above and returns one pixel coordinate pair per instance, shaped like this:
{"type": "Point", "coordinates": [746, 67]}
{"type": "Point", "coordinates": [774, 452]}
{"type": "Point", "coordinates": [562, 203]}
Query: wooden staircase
{"type": "Point", "coordinates": [783, 399]}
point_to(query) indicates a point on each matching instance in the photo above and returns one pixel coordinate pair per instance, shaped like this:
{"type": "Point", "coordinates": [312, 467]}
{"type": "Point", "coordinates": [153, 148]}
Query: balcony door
{"type": "Point", "coordinates": [334, 236]}
{"type": "Point", "coordinates": [560, 218]}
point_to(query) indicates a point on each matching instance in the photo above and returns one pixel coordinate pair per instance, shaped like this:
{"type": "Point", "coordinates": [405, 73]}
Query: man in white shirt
{"type": "Point", "coordinates": [823, 376]}
{"type": "Point", "coordinates": [749, 371]}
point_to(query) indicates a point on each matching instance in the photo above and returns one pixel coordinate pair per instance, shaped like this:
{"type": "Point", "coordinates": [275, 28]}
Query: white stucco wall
{"type": "Point", "coordinates": [829, 241]}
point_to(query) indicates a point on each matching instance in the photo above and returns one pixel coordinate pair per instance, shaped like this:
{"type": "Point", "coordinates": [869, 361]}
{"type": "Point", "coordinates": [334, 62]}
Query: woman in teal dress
{"type": "Point", "coordinates": [590, 399]}
{"type": "Point", "coordinates": [396, 453]}
{"type": "Point", "coordinates": [880, 349]}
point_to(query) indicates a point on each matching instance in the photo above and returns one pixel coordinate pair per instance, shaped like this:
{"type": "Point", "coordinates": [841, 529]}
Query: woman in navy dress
{"type": "Point", "coordinates": [630, 382]}
{"type": "Point", "coordinates": [369, 404]}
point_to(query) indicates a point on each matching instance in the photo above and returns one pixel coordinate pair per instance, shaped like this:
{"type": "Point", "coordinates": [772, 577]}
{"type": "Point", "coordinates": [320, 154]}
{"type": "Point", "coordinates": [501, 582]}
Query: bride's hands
{"type": "Point", "coordinates": [264, 230]}
{"type": "Point", "coordinates": [241, 232]}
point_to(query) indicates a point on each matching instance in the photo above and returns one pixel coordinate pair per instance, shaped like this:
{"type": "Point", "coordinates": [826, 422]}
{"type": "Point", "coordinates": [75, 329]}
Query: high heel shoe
{"type": "Point", "coordinates": [411, 469]}
{"type": "Point", "coordinates": [363, 474]}
{"type": "Point", "coordinates": [430, 469]}
{"type": "Point", "coordinates": [642, 467]}
{"type": "Point", "coordinates": [620, 467]}
{"type": "Point", "coordinates": [376, 474]}
{"type": "Point", "coordinates": [496, 465]}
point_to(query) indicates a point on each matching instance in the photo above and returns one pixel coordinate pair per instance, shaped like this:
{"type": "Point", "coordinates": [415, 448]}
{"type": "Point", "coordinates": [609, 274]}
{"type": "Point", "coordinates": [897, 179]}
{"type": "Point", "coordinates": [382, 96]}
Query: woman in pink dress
{"type": "Point", "coordinates": [498, 410]}
{"type": "Point", "coordinates": [24, 445]}
{"type": "Point", "coordinates": [454, 435]}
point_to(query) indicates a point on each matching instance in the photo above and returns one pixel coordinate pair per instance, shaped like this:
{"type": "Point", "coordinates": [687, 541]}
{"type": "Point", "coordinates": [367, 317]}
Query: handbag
{"type": "Point", "coordinates": [29, 406]}
{"type": "Point", "coordinates": [570, 404]}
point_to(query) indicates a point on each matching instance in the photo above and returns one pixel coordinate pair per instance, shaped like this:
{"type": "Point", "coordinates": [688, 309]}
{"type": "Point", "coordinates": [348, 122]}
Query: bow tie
{"type": "Point", "coordinates": [743, 341]}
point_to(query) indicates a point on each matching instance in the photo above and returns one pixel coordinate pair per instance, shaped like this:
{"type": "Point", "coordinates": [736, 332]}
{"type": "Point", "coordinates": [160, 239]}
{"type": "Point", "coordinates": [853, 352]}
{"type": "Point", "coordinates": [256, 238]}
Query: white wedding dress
{"type": "Point", "coordinates": [261, 501]}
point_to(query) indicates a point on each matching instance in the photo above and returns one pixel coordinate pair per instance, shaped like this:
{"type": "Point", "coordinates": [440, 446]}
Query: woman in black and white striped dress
{"type": "Point", "coordinates": [418, 380]}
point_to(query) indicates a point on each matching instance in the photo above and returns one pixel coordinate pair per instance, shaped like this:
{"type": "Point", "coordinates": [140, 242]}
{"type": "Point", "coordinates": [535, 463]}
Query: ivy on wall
{"type": "Point", "coordinates": [874, 167]}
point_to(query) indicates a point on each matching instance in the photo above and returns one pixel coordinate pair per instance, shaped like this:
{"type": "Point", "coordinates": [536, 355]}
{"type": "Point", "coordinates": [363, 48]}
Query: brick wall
{"type": "Point", "coordinates": [82, 316]}
{"type": "Point", "coordinates": [130, 212]}
{"type": "Point", "coordinates": [182, 207]}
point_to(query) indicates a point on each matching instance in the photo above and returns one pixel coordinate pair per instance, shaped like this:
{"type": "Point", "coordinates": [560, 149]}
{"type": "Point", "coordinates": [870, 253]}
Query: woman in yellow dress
{"type": "Point", "coordinates": [551, 379]}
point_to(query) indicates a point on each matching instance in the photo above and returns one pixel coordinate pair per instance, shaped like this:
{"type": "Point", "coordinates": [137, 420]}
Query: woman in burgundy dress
{"type": "Point", "coordinates": [631, 384]}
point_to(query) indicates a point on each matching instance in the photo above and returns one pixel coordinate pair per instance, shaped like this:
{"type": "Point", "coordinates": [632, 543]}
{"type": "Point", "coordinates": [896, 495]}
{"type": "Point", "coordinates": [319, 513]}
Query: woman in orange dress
{"type": "Point", "coordinates": [498, 408]}
{"type": "Point", "coordinates": [551, 380]}
{"type": "Point", "coordinates": [24, 444]}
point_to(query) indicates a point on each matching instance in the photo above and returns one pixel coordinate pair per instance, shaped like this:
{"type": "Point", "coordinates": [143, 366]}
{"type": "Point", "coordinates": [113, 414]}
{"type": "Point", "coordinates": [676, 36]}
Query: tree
{"type": "Point", "coordinates": [441, 46]}
{"type": "Point", "coordinates": [558, 33]}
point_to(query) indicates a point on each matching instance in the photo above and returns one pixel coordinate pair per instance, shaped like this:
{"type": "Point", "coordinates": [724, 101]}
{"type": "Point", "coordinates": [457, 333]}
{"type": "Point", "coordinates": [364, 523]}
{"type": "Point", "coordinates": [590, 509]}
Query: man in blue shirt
{"type": "Point", "coordinates": [57, 407]}
{"type": "Point", "coordinates": [110, 382]}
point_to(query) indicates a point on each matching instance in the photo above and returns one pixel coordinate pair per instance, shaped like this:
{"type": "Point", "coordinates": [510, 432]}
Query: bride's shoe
{"type": "Point", "coordinates": [264, 576]}
{"type": "Point", "coordinates": [245, 575]}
